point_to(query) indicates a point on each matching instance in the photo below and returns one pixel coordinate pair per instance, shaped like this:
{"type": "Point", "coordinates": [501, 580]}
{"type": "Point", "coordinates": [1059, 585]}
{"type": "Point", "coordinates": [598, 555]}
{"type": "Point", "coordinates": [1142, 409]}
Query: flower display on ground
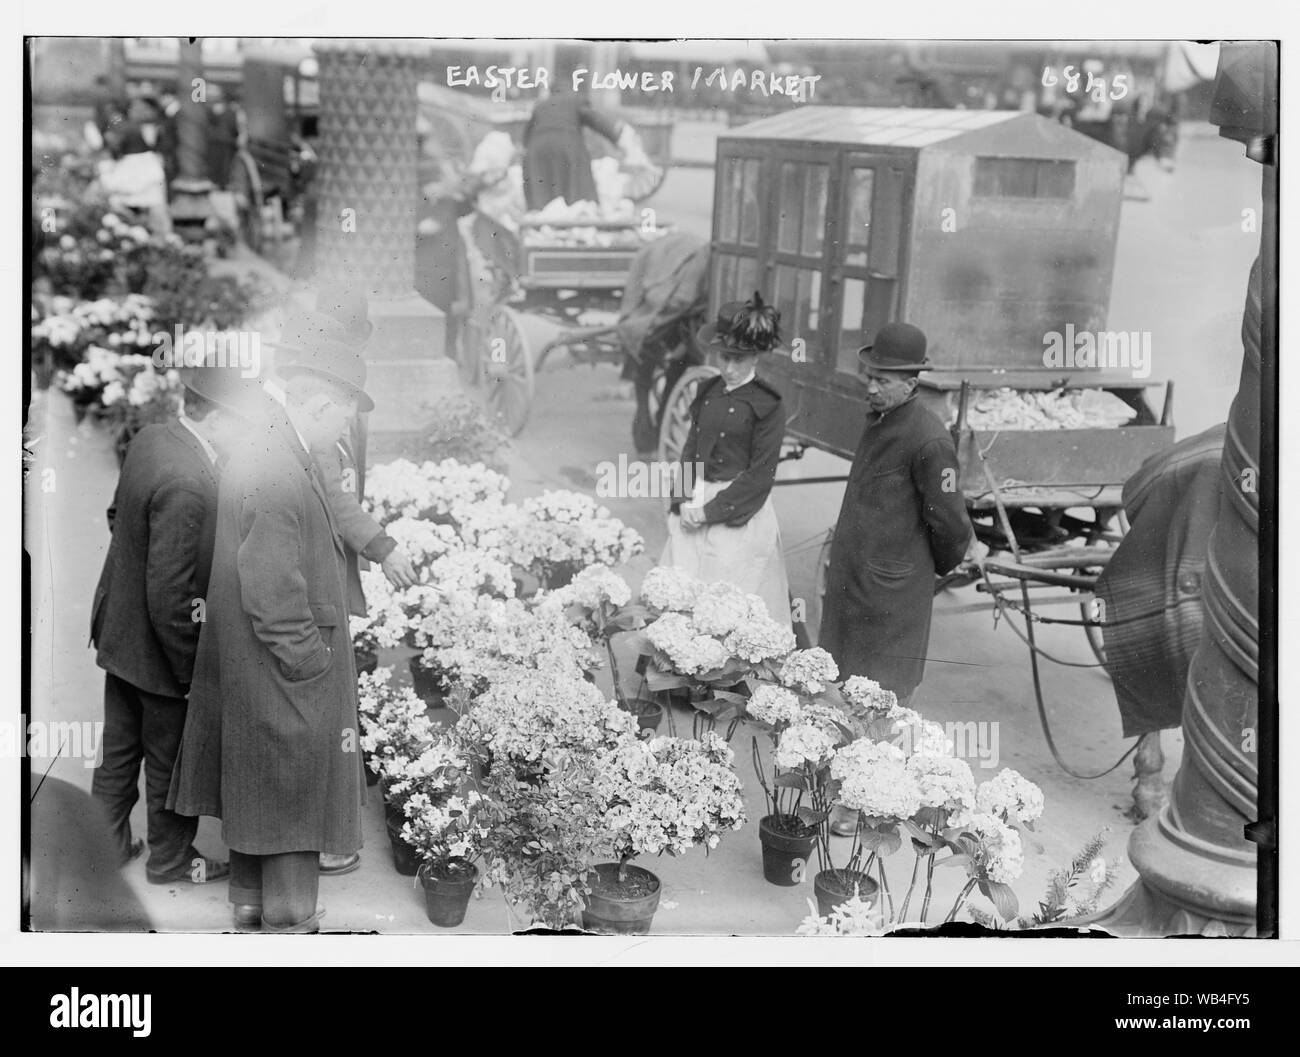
{"type": "Point", "coordinates": [773, 705]}
{"type": "Point", "coordinates": [1000, 856]}
{"type": "Point", "coordinates": [803, 744]}
{"type": "Point", "coordinates": [867, 694]}
{"type": "Point", "coordinates": [874, 779]}
{"type": "Point", "coordinates": [945, 783]}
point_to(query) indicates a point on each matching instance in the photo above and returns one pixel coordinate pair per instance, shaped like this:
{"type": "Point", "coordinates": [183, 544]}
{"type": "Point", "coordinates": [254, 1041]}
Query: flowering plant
{"type": "Point", "coordinates": [667, 795]}
{"type": "Point", "coordinates": [445, 815]}
{"type": "Point", "coordinates": [562, 532]}
{"type": "Point", "coordinates": [708, 639]}
{"type": "Point", "coordinates": [431, 491]}
{"type": "Point", "coordinates": [395, 725]}
{"type": "Point", "coordinates": [851, 918]}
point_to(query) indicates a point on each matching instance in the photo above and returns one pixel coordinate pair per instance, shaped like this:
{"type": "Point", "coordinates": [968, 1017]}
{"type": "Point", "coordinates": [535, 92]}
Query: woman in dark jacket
{"type": "Point", "coordinates": [556, 162]}
{"type": "Point", "coordinates": [727, 530]}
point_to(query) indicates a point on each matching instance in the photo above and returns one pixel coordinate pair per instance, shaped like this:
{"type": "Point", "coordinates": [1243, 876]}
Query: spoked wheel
{"type": "Point", "coordinates": [507, 367]}
{"type": "Point", "coordinates": [816, 606]}
{"type": "Point", "coordinates": [250, 201]}
{"type": "Point", "coordinates": [676, 424]}
{"type": "Point", "coordinates": [649, 412]}
{"type": "Point", "coordinates": [1092, 610]}
{"type": "Point", "coordinates": [471, 339]}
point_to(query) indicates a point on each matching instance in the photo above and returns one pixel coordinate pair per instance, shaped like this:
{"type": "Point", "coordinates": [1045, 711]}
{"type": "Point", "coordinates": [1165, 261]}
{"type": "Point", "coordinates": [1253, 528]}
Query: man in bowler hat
{"type": "Point", "coordinates": [903, 520]}
{"type": "Point", "coordinates": [149, 608]}
{"type": "Point", "coordinates": [271, 743]}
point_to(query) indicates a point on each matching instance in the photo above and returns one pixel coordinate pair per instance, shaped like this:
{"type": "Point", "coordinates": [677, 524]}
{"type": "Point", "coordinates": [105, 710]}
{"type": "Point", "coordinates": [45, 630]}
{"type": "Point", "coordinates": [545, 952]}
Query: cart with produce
{"type": "Point", "coordinates": [601, 285]}
{"type": "Point", "coordinates": [992, 231]}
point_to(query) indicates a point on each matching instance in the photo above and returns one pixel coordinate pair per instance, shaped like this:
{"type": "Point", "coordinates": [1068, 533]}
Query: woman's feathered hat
{"type": "Point", "coordinates": [743, 326]}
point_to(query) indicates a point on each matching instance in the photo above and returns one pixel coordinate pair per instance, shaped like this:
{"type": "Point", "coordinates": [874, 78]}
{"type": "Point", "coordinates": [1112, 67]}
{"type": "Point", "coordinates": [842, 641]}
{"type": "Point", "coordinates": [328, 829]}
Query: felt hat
{"type": "Point", "coordinates": [897, 347]}
{"type": "Point", "coordinates": [312, 341]}
{"type": "Point", "coordinates": [224, 386]}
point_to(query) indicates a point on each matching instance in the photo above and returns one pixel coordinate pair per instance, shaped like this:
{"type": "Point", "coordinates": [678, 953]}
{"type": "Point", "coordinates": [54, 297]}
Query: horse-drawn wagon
{"type": "Point", "coordinates": [994, 231]}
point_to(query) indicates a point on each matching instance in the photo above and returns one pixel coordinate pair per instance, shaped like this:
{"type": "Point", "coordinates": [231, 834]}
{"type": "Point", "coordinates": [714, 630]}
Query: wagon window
{"type": "Point", "coordinates": [788, 220]}
{"type": "Point", "coordinates": [861, 183]}
{"type": "Point", "coordinates": [733, 277]}
{"type": "Point", "coordinates": [814, 210]}
{"type": "Point", "coordinates": [855, 297]}
{"type": "Point", "coordinates": [798, 299]}
{"type": "Point", "coordinates": [749, 203]}
{"type": "Point", "coordinates": [730, 200]}
{"type": "Point", "coordinates": [1023, 178]}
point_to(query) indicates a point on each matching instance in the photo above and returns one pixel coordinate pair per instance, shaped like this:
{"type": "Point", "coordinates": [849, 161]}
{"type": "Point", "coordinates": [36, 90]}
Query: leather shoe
{"type": "Point", "coordinates": [198, 870]}
{"type": "Point", "coordinates": [332, 865]}
{"type": "Point", "coordinates": [248, 916]}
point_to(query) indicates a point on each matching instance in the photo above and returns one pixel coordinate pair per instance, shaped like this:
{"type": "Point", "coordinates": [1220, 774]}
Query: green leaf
{"type": "Point", "coordinates": [657, 680]}
{"type": "Point", "coordinates": [790, 780]}
{"type": "Point", "coordinates": [954, 860]}
{"type": "Point", "coordinates": [1002, 897]}
{"type": "Point", "coordinates": [848, 734]}
{"type": "Point", "coordinates": [919, 835]}
{"type": "Point", "coordinates": [727, 695]}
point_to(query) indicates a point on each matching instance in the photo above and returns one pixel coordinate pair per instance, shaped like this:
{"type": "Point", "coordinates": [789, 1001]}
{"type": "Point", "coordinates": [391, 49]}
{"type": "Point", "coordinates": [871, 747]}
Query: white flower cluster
{"type": "Point", "coordinates": [687, 651]}
{"type": "Point", "coordinates": [668, 795]}
{"type": "Point", "coordinates": [568, 527]}
{"type": "Point", "coordinates": [808, 671]}
{"type": "Point", "coordinates": [874, 779]}
{"type": "Point", "coordinates": [669, 590]}
{"type": "Point", "coordinates": [592, 588]}
{"type": "Point", "coordinates": [497, 634]}
{"type": "Point", "coordinates": [533, 716]}
{"type": "Point", "coordinates": [394, 722]}
{"type": "Point", "coordinates": [432, 489]}
{"type": "Point", "coordinates": [773, 705]}
{"type": "Point", "coordinates": [1000, 856]}
{"type": "Point", "coordinates": [423, 541]}
{"type": "Point", "coordinates": [850, 918]}
{"type": "Point", "coordinates": [945, 783]}
{"type": "Point", "coordinates": [126, 321]}
{"type": "Point", "coordinates": [868, 694]}
{"type": "Point", "coordinates": [804, 744]}
{"type": "Point", "coordinates": [1010, 796]}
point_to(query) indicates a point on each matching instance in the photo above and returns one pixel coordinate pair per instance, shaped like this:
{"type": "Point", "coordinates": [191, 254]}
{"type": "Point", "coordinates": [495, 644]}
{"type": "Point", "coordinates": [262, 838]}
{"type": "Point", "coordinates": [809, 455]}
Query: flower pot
{"type": "Point", "coordinates": [621, 909]}
{"type": "Point", "coordinates": [372, 776]}
{"type": "Point", "coordinates": [367, 660]}
{"type": "Point", "coordinates": [426, 682]}
{"type": "Point", "coordinates": [649, 714]}
{"type": "Point", "coordinates": [447, 898]}
{"type": "Point", "coordinates": [833, 887]}
{"type": "Point", "coordinates": [406, 861]}
{"type": "Point", "coordinates": [785, 855]}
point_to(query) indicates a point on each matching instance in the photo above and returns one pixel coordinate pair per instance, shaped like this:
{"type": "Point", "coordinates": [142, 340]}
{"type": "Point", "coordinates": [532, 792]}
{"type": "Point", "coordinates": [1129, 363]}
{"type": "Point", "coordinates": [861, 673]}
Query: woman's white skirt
{"type": "Point", "coordinates": [748, 557]}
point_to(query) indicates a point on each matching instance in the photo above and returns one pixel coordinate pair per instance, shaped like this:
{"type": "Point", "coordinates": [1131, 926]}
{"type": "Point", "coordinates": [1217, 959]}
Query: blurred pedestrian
{"type": "Point", "coordinates": [222, 137]}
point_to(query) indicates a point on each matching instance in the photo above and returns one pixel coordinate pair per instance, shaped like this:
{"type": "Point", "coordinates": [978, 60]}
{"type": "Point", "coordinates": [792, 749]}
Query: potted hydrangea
{"type": "Point", "coordinates": [659, 797]}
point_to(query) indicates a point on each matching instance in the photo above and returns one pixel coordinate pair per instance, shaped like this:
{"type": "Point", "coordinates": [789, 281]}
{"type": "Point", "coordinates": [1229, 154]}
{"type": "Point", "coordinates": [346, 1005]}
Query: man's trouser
{"type": "Point", "coordinates": [140, 725]}
{"type": "Point", "coordinates": [285, 886]}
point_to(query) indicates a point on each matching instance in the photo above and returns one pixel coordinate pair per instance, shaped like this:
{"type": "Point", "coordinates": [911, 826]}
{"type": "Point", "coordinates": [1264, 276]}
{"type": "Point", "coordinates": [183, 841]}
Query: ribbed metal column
{"type": "Point", "coordinates": [1198, 869]}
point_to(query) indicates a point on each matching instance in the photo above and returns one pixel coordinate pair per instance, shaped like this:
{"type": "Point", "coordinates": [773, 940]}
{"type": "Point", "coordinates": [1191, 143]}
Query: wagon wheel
{"type": "Point", "coordinates": [677, 415]}
{"type": "Point", "coordinates": [246, 187]}
{"type": "Point", "coordinates": [507, 368]}
{"type": "Point", "coordinates": [646, 422]}
{"type": "Point", "coordinates": [812, 620]}
{"type": "Point", "coordinates": [1096, 640]}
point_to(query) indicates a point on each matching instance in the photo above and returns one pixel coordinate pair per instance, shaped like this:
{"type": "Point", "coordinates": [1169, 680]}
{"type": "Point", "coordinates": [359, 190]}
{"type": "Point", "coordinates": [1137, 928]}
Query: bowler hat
{"type": "Point", "coordinates": [224, 386]}
{"type": "Point", "coordinates": [349, 307]}
{"type": "Point", "coordinates": [897, 347]}
{"type": "Point", "coordinates": [743, 326]}
{"type": "Point", "coordinates": [311, 341]}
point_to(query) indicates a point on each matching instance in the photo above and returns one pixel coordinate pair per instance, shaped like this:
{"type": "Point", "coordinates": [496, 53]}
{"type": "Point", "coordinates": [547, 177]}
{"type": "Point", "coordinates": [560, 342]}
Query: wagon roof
{"type": "Point", "coordinates": [874, 126]}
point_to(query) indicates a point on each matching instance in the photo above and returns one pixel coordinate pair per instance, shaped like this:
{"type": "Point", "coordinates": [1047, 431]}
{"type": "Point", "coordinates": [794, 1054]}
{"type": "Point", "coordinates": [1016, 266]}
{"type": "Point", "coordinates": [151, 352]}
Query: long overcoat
{"type": "Point", "coordinates": [271, 743]}
{"type": "Point", "coordinates": [902, 521]}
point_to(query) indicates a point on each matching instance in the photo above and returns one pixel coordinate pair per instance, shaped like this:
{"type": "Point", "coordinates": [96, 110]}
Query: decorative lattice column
{"type": "Point", "coordinates": [367, 194]}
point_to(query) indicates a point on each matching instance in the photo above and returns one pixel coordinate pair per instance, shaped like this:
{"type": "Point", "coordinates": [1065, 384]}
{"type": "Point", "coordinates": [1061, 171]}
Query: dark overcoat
{"type": "Point", "coordinates": [902, 521]}
{"type": "Point", "coordinates": [271, 739]}
{"type": "Point", "coordinates": [163, 520]}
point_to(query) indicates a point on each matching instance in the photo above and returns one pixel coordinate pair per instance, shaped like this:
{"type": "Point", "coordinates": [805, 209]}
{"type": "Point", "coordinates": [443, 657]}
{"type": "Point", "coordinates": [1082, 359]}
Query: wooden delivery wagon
{"type": "Point", "coordinates": [990, 230]}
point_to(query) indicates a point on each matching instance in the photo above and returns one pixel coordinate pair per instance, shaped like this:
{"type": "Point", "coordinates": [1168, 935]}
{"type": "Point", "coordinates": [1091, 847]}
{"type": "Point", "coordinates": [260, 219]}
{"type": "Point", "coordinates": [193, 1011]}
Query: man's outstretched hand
{"type": "Point", "coordinates": [399, 570]}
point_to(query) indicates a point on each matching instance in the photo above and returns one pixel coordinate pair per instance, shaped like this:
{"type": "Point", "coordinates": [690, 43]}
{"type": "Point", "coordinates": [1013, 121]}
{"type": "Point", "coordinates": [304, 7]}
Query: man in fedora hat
{"type": "Point", "coordinates": [148, 611]}
{"type": "Point", "coordinates": [903, 520]}
{"type": "Point", "coordinates": [271, 743]}
{"type": "Point", "coordinates": [343, 464]}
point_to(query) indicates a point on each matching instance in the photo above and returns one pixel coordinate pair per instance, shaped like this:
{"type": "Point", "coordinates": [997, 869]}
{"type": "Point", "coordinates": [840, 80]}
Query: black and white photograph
{"type": "Point", "coordinates": [673, 486]}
